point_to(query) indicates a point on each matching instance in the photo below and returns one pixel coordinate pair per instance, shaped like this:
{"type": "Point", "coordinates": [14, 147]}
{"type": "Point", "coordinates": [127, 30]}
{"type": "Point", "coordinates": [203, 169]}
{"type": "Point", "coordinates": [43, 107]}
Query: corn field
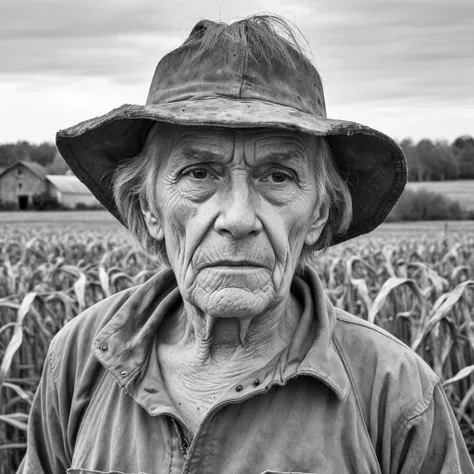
{"type": "Point", "coordinates": [418, 288]}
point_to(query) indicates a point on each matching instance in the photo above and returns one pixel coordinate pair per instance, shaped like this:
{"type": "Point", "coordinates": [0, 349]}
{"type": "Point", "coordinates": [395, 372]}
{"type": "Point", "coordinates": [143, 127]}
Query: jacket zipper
{"type": "Point", "coordinates": [183, 441]}
{"type": "Point", "coordinates": [190, 448]}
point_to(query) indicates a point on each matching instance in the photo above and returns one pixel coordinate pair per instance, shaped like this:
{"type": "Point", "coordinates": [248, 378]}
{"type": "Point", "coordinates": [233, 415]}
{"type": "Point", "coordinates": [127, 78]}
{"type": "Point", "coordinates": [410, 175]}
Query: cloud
{"type": "Point", "coordinates": [412, 56]}
{"type": "Point", "coordinates": [395, 50]}
{"type": "Point", "coordinates": [117, 39]}
{"type": "Point", "coordinates": [82, 39]}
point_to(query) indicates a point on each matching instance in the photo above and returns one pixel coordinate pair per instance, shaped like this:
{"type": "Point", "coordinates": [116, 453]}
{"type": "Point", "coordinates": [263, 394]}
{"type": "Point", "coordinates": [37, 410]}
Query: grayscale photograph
{"type": "Point", "coordinates": [236, 237]}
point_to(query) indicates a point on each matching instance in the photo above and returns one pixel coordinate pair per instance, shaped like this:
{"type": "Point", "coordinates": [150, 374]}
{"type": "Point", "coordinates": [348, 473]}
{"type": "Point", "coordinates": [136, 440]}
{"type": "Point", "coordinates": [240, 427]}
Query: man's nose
{"type": "Point", "coordinates": [237, 215]}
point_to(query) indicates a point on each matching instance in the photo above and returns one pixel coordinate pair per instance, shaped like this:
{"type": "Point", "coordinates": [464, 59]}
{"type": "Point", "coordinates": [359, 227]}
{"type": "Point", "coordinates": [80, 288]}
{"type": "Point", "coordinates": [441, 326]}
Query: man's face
{"type": "Point", "coordinates": [236, 208]}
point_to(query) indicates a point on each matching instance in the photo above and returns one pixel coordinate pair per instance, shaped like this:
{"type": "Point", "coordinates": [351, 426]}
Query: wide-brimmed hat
{"type": "Point", "coordinates": [215, 79]}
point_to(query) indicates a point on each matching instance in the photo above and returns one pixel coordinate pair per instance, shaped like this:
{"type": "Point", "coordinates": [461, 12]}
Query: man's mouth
{"type": "Point", "coordinates": [233, 263]}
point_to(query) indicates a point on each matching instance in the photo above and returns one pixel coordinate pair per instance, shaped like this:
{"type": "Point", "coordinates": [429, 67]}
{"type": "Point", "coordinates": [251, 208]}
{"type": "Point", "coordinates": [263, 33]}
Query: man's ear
{"type": "Point", "coordinates": [153, 222]}
{"type": "Point", "coordinates": [319, 219]}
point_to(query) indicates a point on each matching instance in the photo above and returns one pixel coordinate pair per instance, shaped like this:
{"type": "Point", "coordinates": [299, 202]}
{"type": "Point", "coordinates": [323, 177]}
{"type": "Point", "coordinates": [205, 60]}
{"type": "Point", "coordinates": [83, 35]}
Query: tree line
{"type": "Point", "coordinates": [438, 160]}
{"type": "Point", "coordinates": [46, 154]}
{"type": "Point", "coordinates": [427, 160]}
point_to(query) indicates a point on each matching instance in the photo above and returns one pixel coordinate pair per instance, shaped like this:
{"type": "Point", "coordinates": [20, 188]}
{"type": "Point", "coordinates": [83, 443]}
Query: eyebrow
{"type": "Point", "coordinates": [190, 153]}
{"type": "Point", "coordinates": [195, 154]}
{"type": "Point", "coordinates": [285, 156]}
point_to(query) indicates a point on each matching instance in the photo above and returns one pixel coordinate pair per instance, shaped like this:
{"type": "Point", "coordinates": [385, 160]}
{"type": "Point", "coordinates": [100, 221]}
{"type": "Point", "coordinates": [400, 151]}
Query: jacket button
{"type": "Point", "coordinates": [124, 373]}
{"type": "Point", "coordinates": [239, 388]}
{"type": "Point", "coordinates": [104, 347]}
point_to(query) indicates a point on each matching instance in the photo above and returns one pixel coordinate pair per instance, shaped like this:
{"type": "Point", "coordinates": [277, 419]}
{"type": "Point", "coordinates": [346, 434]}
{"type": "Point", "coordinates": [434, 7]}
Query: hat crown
{"type": "Point", "coordinates": [238, 62]}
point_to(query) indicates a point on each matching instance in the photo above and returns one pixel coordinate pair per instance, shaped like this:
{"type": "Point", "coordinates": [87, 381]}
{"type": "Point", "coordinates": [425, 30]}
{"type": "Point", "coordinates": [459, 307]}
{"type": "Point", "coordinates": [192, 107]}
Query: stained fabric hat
{"type": "Point", "coordinates": [215, 79]}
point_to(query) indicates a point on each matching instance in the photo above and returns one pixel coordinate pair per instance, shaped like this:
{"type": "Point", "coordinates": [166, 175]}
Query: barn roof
{"type": "Point", "coordinates": [34, 167]}
{"type": "Point", "coordinates": [67, 184]}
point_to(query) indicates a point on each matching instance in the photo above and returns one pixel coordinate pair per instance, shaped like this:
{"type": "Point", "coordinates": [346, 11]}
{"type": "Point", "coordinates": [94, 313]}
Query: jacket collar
{"type": "Point", "coordinates": [125, 346]}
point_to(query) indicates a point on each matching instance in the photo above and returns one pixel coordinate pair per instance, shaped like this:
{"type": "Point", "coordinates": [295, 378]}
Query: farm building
{"type": "Point", "coordinates": [23, 180]}
{"type": "Point", "coordinates": [69, 191]}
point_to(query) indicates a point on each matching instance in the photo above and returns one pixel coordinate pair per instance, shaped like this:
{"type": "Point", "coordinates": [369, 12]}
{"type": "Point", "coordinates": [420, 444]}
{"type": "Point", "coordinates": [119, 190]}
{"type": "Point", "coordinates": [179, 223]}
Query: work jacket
{"type": "Point", "coordinates": [343, 397]}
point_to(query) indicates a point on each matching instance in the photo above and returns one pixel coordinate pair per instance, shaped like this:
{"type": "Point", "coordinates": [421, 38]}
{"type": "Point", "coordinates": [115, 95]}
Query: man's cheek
{"type": "Point", "coordinates": [297, 226]}
{"type": "Point", "coordinates": [175, 212]}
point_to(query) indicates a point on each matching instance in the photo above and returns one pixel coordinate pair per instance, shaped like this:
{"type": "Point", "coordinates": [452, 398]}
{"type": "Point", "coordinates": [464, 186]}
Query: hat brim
{"type": "Point", "coordinates": [371, 162]}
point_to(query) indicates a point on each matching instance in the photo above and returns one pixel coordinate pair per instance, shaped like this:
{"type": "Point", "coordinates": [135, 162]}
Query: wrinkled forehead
{"type": "Point", "coordinates": [195, 143]}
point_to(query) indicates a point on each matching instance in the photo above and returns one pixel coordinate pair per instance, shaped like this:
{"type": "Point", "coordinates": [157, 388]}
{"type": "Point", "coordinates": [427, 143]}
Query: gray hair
{"type": "Point", "coordinates": [332, 189]}
{"type": "Point", "coordinates": [134, 184]}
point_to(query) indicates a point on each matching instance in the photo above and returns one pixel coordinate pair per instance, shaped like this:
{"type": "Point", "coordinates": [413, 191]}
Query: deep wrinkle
{"type": "Point", "coordinates": [195, 155]}
{"type": "Point", "coordinates": [187, 149]}
{"type": "Point", "coordinates": [261, 173]}
{"type": "Point", "coordinates": [294, 159]}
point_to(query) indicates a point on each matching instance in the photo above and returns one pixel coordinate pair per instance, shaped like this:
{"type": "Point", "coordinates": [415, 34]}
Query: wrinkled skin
{"type": "Point", "coordinates": [235, 208]}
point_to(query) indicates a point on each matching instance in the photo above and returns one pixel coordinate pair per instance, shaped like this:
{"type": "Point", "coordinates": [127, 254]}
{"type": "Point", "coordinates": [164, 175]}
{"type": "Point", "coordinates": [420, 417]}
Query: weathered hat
{"type": "Point", "coordinates": [215, 79]}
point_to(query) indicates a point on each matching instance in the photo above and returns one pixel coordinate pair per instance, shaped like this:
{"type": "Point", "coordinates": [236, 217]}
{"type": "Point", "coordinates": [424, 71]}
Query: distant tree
{"type": "Point", "coordinates": [5, 156]}
{"type": "Point", "coordinates": [43, 153]}
{"type": "Point", "coordinates": [424, 205]}
{"type": "Point", "coordinates": [413, 159]}
{"type": "Point", "coordinates": [465, 161]}
{"type": "Point", "coordinates": [21, 150]}
{"type": "Point", "coordinates": [447, 157]}
{"type": "Point", "coordinates": [436, 161]}
{"type": "Point", "coordinates": [462, 142]}
{"type": "Point", "coordinates": [58, 165]}
{"type": "Point", "coordinates": [12, 152]}
{"type": "Point", "coordinates": [430, 160]}
{"type": "Point", "coordinates": [24, 151]}
{"type": "Point", "coordinates": [426, 152]}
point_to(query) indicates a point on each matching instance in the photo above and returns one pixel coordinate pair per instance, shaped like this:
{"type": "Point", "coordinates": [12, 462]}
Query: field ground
{"type": "Point", "coordinates": [102, 220]}
{"type": "Point", "coordinates": [420, 228]}
{"type": "Point", "coordinates": [89, 218]}
{"type": "Point", "coordinates": [77, 221]}
{"type": "Point", "coordinates": [461, 190]}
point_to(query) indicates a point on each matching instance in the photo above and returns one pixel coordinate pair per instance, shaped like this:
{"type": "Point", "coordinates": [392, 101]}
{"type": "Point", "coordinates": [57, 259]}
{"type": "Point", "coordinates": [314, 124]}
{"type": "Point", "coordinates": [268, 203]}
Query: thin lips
{"type": "Point", "coordinates": [233, 263]}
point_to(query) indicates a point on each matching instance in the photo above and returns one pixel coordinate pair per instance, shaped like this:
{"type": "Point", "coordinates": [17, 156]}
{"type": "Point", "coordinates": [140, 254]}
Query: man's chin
{"type": "Point", "coordinates": [234, 302]}
{"type": "Point", "coordinates": [243, 277]}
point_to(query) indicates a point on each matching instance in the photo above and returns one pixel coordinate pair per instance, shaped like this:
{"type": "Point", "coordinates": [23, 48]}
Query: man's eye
{"type": "Point", "coordinates": [199, 173]}
{"type": "Point", "coordinates": [279, 177]}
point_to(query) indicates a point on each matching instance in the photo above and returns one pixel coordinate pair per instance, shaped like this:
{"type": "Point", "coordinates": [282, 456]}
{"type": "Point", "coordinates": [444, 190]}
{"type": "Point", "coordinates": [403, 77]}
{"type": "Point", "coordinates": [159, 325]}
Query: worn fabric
{"type": "Point", "coordinates": [343, 397]}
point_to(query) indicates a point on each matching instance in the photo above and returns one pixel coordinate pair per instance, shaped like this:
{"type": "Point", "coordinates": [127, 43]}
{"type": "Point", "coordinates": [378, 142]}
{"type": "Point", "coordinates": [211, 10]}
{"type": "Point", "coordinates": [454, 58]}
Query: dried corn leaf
{"type": "Point", "coordinates": [104, 280]}
{"type": "Point", "coordinates": [390, 285]}
{"type": "Point", "coordinates": [361, 286]}
{"type": "Point", "coordinates": [19, 391]}
{"type": "Point", "coordinates": [442, 307]}
{"type": "Point", "coordinates": [80, 290]}
{"type": "Point", "coordinates": [17, 420]}
{"type": "Point", "coordinates": [17, 337]}
{"type": "Point", "coordinates": [460, 375]}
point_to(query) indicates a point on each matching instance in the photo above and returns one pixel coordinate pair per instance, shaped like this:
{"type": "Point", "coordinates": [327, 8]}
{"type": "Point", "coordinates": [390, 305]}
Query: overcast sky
{"type": "Point", "coordinates": [405, 67]}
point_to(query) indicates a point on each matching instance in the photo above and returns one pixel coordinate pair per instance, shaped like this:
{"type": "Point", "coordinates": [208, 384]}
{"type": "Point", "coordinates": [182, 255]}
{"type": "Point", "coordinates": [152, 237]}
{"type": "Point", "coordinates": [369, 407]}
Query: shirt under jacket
{"type": "Point", "coordinates": [344, 397]}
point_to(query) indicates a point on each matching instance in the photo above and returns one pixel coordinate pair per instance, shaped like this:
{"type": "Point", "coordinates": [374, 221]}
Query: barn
{"type": "Point", "coordinates": [22, 180]}
{"type": "Point", "coordinates": [69, 191]}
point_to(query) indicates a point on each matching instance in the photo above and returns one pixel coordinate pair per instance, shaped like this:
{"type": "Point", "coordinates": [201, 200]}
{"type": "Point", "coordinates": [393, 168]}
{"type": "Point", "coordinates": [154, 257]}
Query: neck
{"type": "Point", "coordinates": [219, 342]}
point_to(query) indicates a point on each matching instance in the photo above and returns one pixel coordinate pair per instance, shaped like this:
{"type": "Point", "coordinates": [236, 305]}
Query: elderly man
{"type": "Point", "coordinates": [233, 360]}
